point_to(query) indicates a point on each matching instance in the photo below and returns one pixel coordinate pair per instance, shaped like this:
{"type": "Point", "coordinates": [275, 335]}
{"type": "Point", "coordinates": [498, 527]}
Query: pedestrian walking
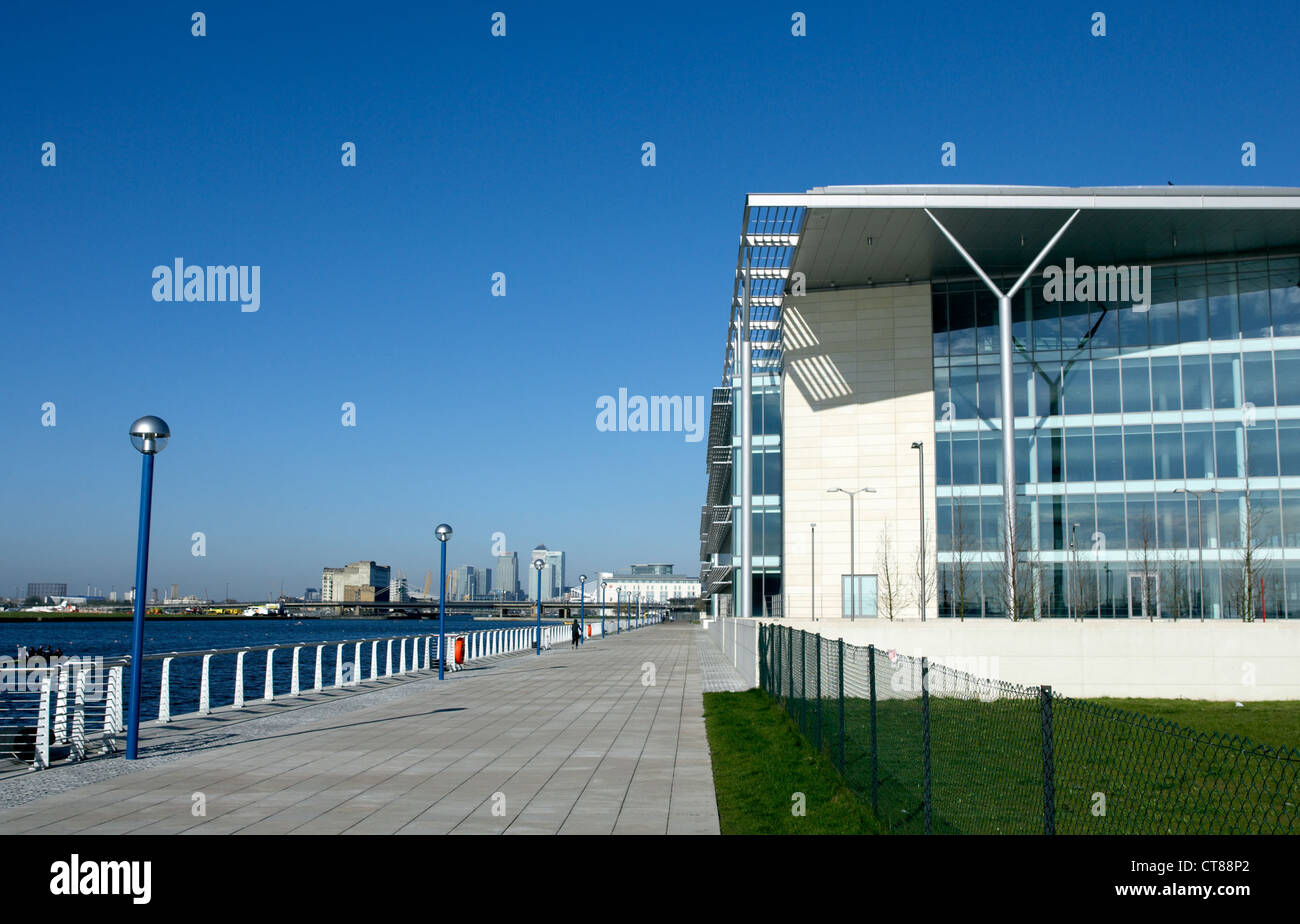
{"type": "Point", "coordinates": [577, 634]}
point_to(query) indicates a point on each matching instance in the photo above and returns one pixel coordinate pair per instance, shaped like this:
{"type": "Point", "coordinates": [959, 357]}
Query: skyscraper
{"type": "Point", "coordinates": [508, 575]}
{"type": "Point", "coordinates": [552, 573]}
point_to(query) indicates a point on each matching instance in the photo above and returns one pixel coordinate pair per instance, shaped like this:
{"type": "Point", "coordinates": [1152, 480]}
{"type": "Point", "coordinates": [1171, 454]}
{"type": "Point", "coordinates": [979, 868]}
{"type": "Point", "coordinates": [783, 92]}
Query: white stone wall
{"type": "Point", "coordinates": [1188, 659]}
{"type": "Point", "coordinates": [858, 389]}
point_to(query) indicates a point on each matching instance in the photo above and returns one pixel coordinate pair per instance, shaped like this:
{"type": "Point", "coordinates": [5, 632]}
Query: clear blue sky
{"type": "Point", "coordinates": [476, 155]}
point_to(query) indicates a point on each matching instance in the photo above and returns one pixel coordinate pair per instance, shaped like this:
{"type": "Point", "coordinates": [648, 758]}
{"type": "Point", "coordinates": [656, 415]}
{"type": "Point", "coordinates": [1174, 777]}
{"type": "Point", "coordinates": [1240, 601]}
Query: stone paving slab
{"type": "Point", "coordinates": [571, 742]}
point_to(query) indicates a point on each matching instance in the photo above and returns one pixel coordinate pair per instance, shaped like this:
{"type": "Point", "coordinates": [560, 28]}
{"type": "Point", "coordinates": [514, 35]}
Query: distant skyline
{"type": "Point", "coordinates": [381, 387]}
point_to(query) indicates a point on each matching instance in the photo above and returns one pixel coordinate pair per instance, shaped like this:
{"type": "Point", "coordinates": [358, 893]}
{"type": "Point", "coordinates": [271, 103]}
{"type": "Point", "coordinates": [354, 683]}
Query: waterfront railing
{"type": "Point", "coordinates": [73, 708]}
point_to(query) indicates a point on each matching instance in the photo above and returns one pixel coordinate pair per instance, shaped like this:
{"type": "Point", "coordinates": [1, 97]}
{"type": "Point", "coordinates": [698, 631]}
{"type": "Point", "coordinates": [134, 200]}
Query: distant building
{"type": "Point", "coordinates": [340, 585]}
{"type": "Point", "coordinates": [654, 583]}
{"type": "Point", "coordinates": [553, 583]}
{"type": "Point", "coordinates": [507, 576]}
{"type": "Point", "coordinates": [311, 595]}
{"type": "Point", "coordinates": [44, 590]}
{"type": "Point", "coordinates": [468, 583]}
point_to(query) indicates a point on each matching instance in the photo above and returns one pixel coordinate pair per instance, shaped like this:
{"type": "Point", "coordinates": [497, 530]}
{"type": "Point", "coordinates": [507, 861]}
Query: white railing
{"type": "Point", "coordinates": [78, 703]}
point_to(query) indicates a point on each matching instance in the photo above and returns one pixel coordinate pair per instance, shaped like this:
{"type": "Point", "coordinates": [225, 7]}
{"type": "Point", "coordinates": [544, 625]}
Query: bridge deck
{"type": "Point", "coordinates": [571, 742]}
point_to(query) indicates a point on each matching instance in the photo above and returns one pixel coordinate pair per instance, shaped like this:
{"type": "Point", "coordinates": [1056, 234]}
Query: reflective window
{"type": "Point", "coordinates": [1137, 385]}
{"type": "Point", "coordinates": [1196, 382]}
{"type": "Point", "coordinates": [1138, 463]}
{"type": "Point", "coordinates": [1165, 388]}
{"type": "Point", "coordinates": [1109, 453]}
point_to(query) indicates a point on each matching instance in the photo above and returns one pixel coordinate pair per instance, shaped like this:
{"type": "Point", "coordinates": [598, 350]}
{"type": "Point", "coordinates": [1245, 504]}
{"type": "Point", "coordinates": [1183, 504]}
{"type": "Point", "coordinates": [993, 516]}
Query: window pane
{"type": "Point", "coordinates": [1132, 328]}
{"type": "Point", "coordinates": [1162, 317]}
{"type": "Point", "coordinates": [1078, 389]}
{"type": "Point", "coordinates": [1172, 517]}
{"type": "Point", "coordinates": [1221, 283]}
{"type": "Point", "coordinates": [990, 458]}
{"type": "Point", "coordinates": [1228, 450]}
{"type": "Point", "coordinates": [1288, 439]}
{"type": "Point", "coordinates": [939, 323]}
{"type": "Point", "coordinates": [961, 323]}
{"type": "Point", "coordinates": [965, 458]}
{"type": "Point", "coordinates": [1169, 451]}
{"type": "Point", "coordinates": [1105, 386]}
{"type": "Point", "coordinates": [1198, 440]}
{"type": "Point", "coordinates": [1193, 320]}
{"type": "Point", "coordinates": [1196, 383]}
{"type": "Point", "coordinates": [1050, 448]}
{"type": "Point", "coordinates": [1076, 322]}
{"type": "Point", "coordinates": [963, 383]}
{"type": "Point", "coordinates": [1110, 519]}
{"type": "Point", "coordinates": [1261, 440]}
{"type": "Point", "coordinates": [986, 319]}
{"type": "Point", "coordinates": [1257, 370]}
{"type": "Point", "coordinates": [1078, 455]}
{"type": "Point", "coordinates": [1109, 454]}
{"type": "Point", "coordinates": [1227, 380]}
{"type": "Point", "coordinates": [1284, 297]}
{"type": "Point", "coordinates": [1288, 377]}
{"type": "Point", "coordinates": [990, 392]}
{"type": "Point", "coordinates": [1137, 385]}
{"type": "Point", "coordinates": [1252, 297]}
{"type": "Point", "coordinates": [1138, 462]}
{"type": "Point", "coordinates": [1165, 389]}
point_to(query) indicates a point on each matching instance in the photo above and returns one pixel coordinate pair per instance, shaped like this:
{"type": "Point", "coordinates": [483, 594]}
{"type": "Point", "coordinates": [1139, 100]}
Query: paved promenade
{"type": "Point", "coordinates": [572, 742]}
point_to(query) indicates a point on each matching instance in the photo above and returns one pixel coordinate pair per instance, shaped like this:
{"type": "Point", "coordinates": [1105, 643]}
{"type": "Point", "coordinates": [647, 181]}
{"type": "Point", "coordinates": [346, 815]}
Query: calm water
{"type": "Point", "coordinates": [93, 638]}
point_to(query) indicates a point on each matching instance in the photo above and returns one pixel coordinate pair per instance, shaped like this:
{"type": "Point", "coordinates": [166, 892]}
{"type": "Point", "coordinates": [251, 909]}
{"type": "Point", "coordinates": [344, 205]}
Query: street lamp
{"type": "Point", "coordinates": [812, 570]}
{"type": "Point", "coordinates": [582, 609]}
{"type": "Point", "coordinates": [148, 435]}
{"type": "Point", "coordinates": [853, 570]}
{"type": "Point", "coordinates": [539, 565]}
{"type": "Point", "coordinates": [618, 612]}
{"type": "Point", "coordinates": [603, 585]}
{"type": "Point", "coordinates": [921, 597]}
{"type": "Point", "coordinates": [443, 532]}
{"type": "Point", "coordinates": [1200, 543]}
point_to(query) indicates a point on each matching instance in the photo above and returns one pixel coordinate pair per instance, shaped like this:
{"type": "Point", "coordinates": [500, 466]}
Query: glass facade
{"type": "Point", "coordinates": [1121, 412]}
{"type": "Point", "coordinates": [765, 465]}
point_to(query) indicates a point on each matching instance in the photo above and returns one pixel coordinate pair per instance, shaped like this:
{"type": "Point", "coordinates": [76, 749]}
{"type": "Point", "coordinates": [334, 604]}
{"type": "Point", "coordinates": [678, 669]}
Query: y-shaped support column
{"type": "Point", "coordinates": [1008, 401]}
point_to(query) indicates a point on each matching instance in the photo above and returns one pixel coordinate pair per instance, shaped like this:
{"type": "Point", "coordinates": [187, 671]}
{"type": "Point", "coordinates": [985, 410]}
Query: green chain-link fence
{"type": "Point", "coordinates": [937, 750]}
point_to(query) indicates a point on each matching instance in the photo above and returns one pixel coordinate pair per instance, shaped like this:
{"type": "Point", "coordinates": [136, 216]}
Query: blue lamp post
{"type": "Point", "coordinates": [148, 435]}
{"type": "Point", "coordinates": [603, 585]}
{"type": "Point", "coordinates": [618, 613]}
{"type": "Point", "coordinates": [582, 609]}
{"type": "Point", "coordinates": [443, 532]}
{"type": "Point", "coordinates": [638, 611]}
{"type": "Point", "coordinates": [539, 565]}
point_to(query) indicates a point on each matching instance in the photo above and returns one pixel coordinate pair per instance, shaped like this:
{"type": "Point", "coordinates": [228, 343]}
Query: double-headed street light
{"type": "Point", "coordinates": [1200, 542]}
{"type": "Point", "coordinates": [148, 435]}
{"type": "Point", "coordinates": [539, 565]}
{"type": "Point", "coordinates": [582, 609]}
{"type": "Point", "coordinates": [443, 532]}
{"type": "Point", "coordinates": [853, 560]}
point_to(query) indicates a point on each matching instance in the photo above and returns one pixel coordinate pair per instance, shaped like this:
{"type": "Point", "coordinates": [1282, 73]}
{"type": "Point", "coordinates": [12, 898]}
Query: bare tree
{"type": "Point", "coordinates": [961, 571]}
{"type": "Point", "coordinates": [1176, 586]}
{"type": "Point", "coordinates": [889, 575]}
{"type": "Point", "coordinates": [1024, 572]}
{"type": "Point", "coordinates": [925, 580]}
{"type": "Point", "coordinates": [1252, 566]}
{"type": "Point", "coordinates": [1148, 563]}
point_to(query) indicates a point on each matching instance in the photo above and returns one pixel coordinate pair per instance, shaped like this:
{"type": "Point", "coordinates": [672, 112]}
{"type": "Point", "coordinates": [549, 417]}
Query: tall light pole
{"type": "Point", "coordinates": [1072, 575]}
{"type": "Point", "coordinates": [853, 559]}
{"type": "Point", "coordinates": [443, 532]}
{"type": "Point", "coordinates": [921, 597]}
{"type": "Point", "coordinates": [603, 585]}
{"type": "Point", "coordinates": [1200, 543]}
{"type": "Point", "coordinates": [148, 435]}
{"type": "Point", "coordinates": [812, 571]}
{"type": "Point", "coordinates": [618, 612]}
{"type": "Point", "coordinates": [582, 609]}
{"type": "Point", "coordinates": [538, 564]}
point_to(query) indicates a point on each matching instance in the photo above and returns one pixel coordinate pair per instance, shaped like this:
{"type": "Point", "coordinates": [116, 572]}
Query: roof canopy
{"type": "Point", "coordinates": [861, 235]}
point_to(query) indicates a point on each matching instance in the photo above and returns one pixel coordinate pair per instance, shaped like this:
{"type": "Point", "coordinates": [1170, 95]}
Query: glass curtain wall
{"type": "Point", "coordinates": [1125, 415]}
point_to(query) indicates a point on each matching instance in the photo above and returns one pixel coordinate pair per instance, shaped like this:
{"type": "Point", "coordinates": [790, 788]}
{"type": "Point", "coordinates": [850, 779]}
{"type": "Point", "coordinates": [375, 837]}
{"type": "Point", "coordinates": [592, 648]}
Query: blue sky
{"type": "Point", "coordinates": [476, 155]}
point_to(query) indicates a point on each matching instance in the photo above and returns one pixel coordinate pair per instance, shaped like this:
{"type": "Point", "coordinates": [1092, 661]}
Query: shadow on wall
{"type": "Point", "coordinates": [808, 363]}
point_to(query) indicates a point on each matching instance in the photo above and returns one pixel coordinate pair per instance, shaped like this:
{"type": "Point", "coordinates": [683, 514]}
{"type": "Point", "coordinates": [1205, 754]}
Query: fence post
{"type": "Point", "coordinates": [925, 739]}
{"type": "Point", "coordinates": [818, 650]}
{"type": "Point", "coordinates": [875, 755]}
{"type": "Point", "coordinates": [1049, 766]}
{"type": "Point", "coordinates": [803, 681]}
{"type": "Point", "coordinates": [840, 674]}
{"type": "Point", "coordinates": [789, 661]}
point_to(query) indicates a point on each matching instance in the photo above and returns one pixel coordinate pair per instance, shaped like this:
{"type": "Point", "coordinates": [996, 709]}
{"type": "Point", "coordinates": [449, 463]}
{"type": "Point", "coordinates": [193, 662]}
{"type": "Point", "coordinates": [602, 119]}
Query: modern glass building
{"type": "Point", "coordinates": [1140, 346]}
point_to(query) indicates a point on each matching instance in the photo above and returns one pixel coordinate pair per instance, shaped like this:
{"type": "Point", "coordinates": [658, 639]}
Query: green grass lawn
{"type": "Point", "coordinates": [987, 764]}
{"type": "Point", "coordinates": [760, 761]}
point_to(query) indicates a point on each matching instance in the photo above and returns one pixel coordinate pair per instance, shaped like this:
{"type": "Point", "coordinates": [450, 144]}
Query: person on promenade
{"type": "Point", "coordinates": [577, 634]}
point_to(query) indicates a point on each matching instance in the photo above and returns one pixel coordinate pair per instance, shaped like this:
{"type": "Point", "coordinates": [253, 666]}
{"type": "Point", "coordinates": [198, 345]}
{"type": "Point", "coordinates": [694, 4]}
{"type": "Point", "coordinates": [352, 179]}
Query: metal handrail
{"type": "Point", "coordinates": [60, 707]}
